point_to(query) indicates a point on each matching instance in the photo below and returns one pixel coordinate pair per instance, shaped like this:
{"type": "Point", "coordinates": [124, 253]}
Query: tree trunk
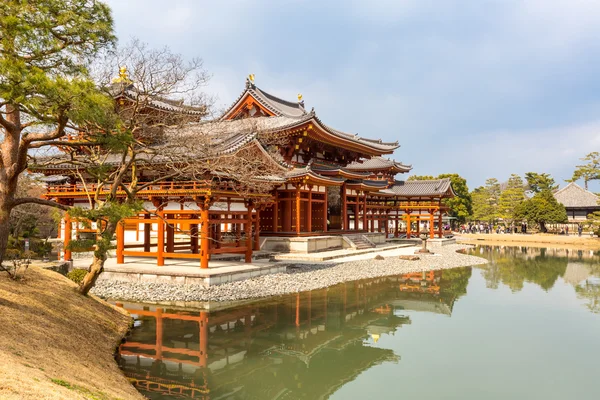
{"type": "Point", "coordinates": [6, 199]}
{"type": "Point", "coordinates": [100, 256]}
{"type": "Point", "coordinates": [89, 280]}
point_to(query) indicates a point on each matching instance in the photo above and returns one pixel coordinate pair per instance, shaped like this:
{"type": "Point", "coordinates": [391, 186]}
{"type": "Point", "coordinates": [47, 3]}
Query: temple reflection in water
{"type": "Point", "coordinates": [306, 345]}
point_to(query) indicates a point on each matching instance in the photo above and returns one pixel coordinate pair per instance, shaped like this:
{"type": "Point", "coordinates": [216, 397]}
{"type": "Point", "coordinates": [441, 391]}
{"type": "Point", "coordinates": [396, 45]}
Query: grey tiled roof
{"type": "Point", "coordinates": [575, 196]}
{"type": "Point", "coordinates": [437, 187]}
{"type": "Point", "coordinates": [156, 102]}
{"type": "Point", "coordinates": [295, 111]}
{"type": "Point", "coordinates": [368, 182]}
{"type": "Point", "coordinates": [378, 163]}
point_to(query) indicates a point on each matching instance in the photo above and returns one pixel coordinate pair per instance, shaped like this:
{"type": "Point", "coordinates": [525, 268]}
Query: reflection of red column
{"type": "Point", "coordinates": [159, 333]}
{"type": "Point", "coordinates": [203, 338]}
{"type": "Point", "coordinates": [325, 306]}
{"type": "Point", "coordinates": [297, 309]}
{"type": "Point", "coordinates": [309, 309]}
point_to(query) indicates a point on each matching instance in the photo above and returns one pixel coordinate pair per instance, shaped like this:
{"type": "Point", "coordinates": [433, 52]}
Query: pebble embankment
{"type": "Point", "coordinates": [298, 278]}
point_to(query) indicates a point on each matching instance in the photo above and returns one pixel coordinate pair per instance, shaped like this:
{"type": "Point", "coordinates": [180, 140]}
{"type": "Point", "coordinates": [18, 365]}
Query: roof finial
{"type": "Point", "coordinates": [250, 81]}
{"type": "Point", "coordinates": [123, 76]}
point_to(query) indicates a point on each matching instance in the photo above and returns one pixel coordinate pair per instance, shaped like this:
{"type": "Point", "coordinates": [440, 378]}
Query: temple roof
{"type": "Point", "coordinates": [159, 103]}
{"type": "Point", "coordinates": [437, 187]}
{"type": "Point", "coordinates": [574, 196]}
{"type": "Point", "coordinates": [297, 115]}
{"type": "Point", "coordinates": [376, 163]}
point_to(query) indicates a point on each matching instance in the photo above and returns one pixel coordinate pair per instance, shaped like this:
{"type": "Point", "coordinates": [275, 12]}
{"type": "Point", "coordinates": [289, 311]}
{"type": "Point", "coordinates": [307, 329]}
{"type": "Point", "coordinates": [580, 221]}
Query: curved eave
{"type": "Point", "coordinates": [310, 177]}
{"type": "Point", "coordinates": [320, 132]}
{"type": "Point", "coordinates": [355, 142]}
{"type": "Point", "coordinates": [170, 108]}
{"type": "Point", "coordinates": [367, 185]}
{"type": "Point", "coordinates": [341, 172]}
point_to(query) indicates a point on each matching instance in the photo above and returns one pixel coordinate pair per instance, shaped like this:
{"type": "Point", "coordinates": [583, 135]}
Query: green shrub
{"type": "Point", "coordinates": [77, 275]}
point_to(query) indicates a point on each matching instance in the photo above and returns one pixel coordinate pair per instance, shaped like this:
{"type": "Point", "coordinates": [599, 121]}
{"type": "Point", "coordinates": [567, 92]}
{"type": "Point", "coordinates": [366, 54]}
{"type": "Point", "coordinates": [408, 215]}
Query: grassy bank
{"type": "Point", "coordinates": [538, 240]}
{"type": "Point", "coordinates": [56, 344]}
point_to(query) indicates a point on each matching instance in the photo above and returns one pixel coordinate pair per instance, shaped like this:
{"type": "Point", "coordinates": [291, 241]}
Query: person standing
{"type": "Point", "coordinates": [579, 229]}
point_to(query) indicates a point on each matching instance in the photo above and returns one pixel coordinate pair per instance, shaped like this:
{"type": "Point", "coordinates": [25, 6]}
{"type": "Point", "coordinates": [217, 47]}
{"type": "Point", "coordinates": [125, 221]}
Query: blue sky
{"type": "Point", "coordinates": [481, 88]}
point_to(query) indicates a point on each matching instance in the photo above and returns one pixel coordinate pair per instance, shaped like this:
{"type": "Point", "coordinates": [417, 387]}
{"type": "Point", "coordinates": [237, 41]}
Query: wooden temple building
{"type": "Point", "coordinates": [331, 183]}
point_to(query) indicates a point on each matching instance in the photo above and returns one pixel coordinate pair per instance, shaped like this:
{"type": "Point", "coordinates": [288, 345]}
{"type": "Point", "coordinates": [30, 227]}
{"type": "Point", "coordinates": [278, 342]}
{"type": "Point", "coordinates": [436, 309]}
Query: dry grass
{"type": "Point", "coordinates": [57, 344]}
{"type": "Point", "coordinates": [536, 240]}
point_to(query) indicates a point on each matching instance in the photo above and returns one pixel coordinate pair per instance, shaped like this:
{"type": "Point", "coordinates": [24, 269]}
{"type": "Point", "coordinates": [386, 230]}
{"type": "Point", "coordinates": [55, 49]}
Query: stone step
{"type": "Point", "coordinates": [360, 241]}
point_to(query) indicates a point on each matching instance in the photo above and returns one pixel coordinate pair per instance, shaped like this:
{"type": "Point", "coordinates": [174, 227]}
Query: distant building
{"type": "Point", "coordinates": [578, 201]}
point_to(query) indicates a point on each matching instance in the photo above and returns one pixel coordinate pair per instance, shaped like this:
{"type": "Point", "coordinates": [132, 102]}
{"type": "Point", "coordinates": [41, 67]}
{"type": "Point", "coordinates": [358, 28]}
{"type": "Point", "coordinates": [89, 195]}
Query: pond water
{"type": "Point", "coordinates": [525, 326]}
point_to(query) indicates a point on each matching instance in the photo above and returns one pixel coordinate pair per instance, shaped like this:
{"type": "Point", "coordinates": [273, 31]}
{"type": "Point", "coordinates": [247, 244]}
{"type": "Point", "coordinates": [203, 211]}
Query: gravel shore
{"type": "Point", "coordinates": [298, 278]}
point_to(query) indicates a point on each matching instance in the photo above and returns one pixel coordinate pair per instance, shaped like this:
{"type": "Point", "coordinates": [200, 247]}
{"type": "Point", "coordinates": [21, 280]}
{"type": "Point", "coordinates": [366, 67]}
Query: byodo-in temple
{"type": "Point", "coordinates": [323, 337]}
{"type": "Point", "coordinates": [333, 185]}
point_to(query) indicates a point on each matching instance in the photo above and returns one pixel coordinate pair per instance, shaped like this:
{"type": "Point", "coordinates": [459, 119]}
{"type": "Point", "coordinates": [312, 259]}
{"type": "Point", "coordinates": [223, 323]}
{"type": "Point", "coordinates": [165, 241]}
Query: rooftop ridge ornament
{"type": "Point", "coordinates": [250, 82]}
{"type": "Point", "coordinates": [123, 76]}
{"type": "Point", "coordinates": [300, 101]}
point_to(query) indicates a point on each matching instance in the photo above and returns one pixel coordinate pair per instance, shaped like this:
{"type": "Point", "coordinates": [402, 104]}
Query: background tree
{"type": "Point", "coordinates": [511, 198]}
{"type": "Point", "coordinates": [542, 209]}
{"type": "Point", "coordinates": [589, 171]}
{"type": "Point", "coordinates": [45, 88]}
{"type": "Point", "coordinates": [461, 206]}
{"type": "Point", "coordinates": [537, 182]}
{"type": "Point", "coordinates": [485, 201]}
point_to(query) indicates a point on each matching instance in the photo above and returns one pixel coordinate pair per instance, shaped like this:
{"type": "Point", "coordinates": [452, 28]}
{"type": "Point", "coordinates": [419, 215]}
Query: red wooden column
{"type": "Point", "coordinates": [248, 258]}
{"type": "Point", "coordinates": [120, 242]}
{"type": "Point", "coordinates": [298, 204]}
{"type": "Point", "coordinates": [309, 209]}
{"type": "Point", "coordinates": [170, 229]}
{"type": "Point", "coordinates": [440, 221]}
{"type": "Point", "coordinates": [325, 211]}
{"type": "Point", "coordinates": [396, 226]}
{"type": "Point", "coordinates": [257, 230]}
{"type": "Point", "coordinates": [344, 208]}
{"type": "Point", "coordinates": [407, 224]}
{"type": "Point", "coordinates": [431, 231]}
{"type": "Point", "coordinates": [68, 234]}
{"type": "Point", "coordinates": [356, 212]}
{"type": "Point", "coordinates": [203, 338]}
{"type": "Point", "coordinates": [160, 236]}
{"type": "Point", "coordinates": [204, 235]}
{"type": "Point", "coordinates": [365, 227]}
{"type": "Point", "coordinates": [194, 236]}
{"type": "Point", "coordinates": [419, 223]}
{"type": "Point", "coordinates": [276, 213]}
{"type": "Point", "coordinates": [147, 227]}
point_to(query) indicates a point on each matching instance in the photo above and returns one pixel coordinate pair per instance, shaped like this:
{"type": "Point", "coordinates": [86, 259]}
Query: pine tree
{"type": "Point", "coordinates": [511, 198]}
